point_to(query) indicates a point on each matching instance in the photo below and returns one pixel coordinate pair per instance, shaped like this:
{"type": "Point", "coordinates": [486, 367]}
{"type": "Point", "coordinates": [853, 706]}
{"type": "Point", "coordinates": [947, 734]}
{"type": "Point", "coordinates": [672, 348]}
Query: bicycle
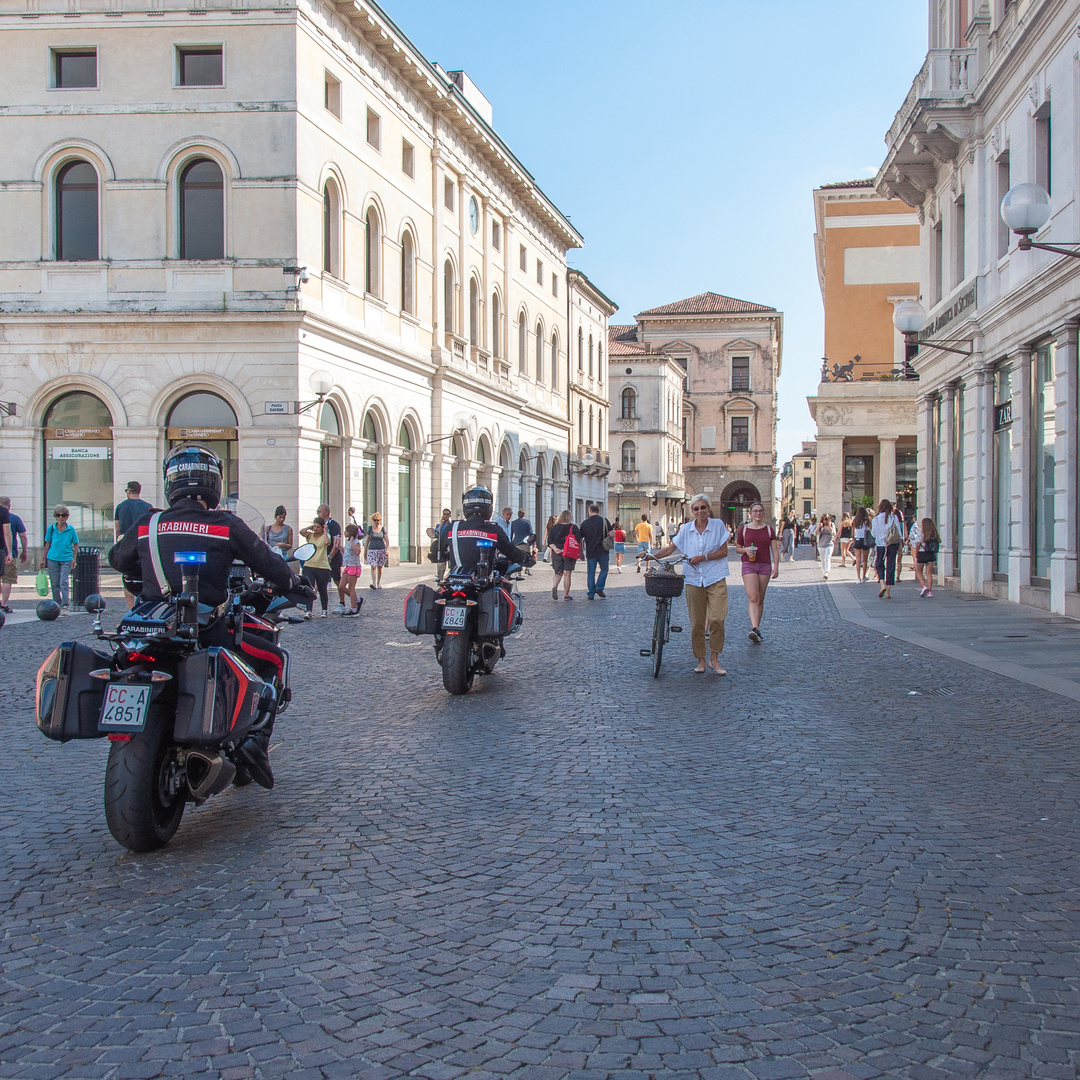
{"type": "Point", "coordinates": [663, 587]}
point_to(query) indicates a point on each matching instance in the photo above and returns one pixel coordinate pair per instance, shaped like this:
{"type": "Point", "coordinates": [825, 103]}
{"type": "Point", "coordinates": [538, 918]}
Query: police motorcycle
{"type": "Point", "coordinates": [181, 718]}
{"type": "Point", "coordinates": [470, 614]}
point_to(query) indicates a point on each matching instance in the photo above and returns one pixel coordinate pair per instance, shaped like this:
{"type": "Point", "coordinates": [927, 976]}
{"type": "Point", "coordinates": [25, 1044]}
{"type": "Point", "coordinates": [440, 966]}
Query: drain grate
{"type": "Point", "coordinates": [943, 691]}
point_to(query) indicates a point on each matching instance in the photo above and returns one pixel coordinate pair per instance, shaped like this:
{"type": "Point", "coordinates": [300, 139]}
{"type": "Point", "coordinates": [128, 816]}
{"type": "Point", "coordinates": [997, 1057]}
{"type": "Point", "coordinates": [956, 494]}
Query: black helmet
{"type": "Point", "coordinates": [478, 502]}
{"type": "Point", "coordinates": [193, 471]}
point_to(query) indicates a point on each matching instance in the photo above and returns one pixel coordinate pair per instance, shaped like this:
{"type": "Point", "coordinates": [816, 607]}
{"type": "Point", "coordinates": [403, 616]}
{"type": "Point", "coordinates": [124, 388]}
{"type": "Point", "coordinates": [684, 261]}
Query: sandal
{"type": "Point", "coordinates": [700, 669]}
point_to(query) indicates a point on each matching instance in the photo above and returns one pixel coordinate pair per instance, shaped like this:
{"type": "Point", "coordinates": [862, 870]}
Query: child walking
{"type": "Point", "coordinates": [352, 566]}
{"type": "Point", "coordinates": [926, 556]}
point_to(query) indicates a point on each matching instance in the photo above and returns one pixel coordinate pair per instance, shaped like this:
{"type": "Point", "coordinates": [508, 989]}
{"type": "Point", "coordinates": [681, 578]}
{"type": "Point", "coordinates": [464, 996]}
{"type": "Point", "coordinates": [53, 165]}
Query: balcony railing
{"type": "Point", "coordinates": [628, 476]}
{"type": "Point", "coordinates": [946, 74]}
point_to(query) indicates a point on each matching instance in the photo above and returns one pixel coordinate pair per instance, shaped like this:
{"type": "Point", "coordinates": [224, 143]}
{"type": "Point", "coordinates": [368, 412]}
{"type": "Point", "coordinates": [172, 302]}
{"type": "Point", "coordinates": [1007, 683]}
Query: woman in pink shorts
{"type": "Point", "coordinates": [759, 547]}
{"type": "Point", "coordinates": [352, 567]}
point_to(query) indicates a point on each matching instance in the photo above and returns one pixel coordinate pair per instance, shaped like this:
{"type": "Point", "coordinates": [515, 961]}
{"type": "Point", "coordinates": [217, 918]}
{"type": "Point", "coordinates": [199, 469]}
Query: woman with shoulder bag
{"type": "Point", "coordinates": [564, 543]}
{"type": "Point", "coordinates": [926, 556]}
{"type": "Point", "coordinates": [860, 529]}
{"type": "Point", "coordinates": [888, 531]}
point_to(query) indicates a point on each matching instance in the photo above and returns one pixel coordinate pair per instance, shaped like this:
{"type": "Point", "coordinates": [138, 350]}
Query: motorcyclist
{"type": "Point", "coordinates": [460, 544]}
{"type": "Point", "coordinates": [193, 479]}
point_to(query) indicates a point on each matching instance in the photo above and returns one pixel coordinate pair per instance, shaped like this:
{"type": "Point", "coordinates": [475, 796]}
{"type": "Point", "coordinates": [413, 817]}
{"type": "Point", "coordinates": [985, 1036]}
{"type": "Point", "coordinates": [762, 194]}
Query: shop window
{"type": "Point", "coordinates": [209, 419]}
{"type": "Point", "coordinates": [370, 498]}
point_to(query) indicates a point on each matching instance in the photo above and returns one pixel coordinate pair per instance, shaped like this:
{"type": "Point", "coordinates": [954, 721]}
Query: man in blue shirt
{"type": "Point", "coordinates": [10, 573]}
{"type": "Point", "coordinates": [521, 530]}
{"type": "Point", "coordinates": [128, 513]}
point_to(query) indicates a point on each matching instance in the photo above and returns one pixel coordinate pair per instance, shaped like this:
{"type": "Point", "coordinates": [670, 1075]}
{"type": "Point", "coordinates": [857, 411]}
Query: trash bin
{"type": "Point", "coordinates": [87, 576]}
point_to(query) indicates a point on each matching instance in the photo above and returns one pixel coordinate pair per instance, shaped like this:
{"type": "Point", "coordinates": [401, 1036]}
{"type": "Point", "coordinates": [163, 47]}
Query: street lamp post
{"type": "Point", "coordinates": [1026, 209]}
{"type": "Point", "coordinates": [618, 489]}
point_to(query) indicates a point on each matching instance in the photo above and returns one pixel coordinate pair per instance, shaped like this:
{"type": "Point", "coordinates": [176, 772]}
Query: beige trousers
{"type": "Point", "coordinates": [706, 603]}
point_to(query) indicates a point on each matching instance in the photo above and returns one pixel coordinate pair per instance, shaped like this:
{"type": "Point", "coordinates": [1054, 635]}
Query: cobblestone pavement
{"type": "Point", "coordinates": [576, 871]}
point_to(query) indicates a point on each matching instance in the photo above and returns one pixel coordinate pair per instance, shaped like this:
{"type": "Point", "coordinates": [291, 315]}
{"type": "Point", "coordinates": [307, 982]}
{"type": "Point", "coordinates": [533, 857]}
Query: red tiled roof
{"type": "Point", "coordinates": [708, 303]}
{"type": "Point", "coordinates": [619, 332]}
{"type": "Point", "coordinates": [622, 341]}
{"type": "Point", "coordinates": [848, 183]}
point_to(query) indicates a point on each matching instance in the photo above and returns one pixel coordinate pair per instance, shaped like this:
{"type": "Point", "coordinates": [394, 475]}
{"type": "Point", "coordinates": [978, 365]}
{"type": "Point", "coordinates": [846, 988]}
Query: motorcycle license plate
{"type": "Point", "coordinates": [125, 707]}
{"type": "Point", "coordinates": [453, 618]}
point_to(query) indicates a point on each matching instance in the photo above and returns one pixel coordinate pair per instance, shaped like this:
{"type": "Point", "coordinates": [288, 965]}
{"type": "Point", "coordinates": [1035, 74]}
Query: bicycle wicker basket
{"type": "Point", "coordinates": [663, 584]}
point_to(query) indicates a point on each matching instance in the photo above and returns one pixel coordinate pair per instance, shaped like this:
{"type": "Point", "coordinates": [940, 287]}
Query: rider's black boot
{"type": "Point", "coordinates": [254, 755]}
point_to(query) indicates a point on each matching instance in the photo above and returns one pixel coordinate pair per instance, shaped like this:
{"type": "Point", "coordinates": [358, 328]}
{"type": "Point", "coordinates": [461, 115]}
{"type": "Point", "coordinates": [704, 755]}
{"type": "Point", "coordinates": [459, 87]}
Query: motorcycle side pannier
{"type": "Point", "coordinates": [68, 701]}
{"type": "Point", "coordinates": [217, 698]}
{"type": "Point", "coordinates": [421, 614]}
{"type": "Point", "coordinates": [497, 613]}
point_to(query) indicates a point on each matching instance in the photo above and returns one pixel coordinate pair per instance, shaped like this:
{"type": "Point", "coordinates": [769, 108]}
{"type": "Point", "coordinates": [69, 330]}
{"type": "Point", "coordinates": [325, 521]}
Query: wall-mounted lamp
{"type": "Point", "coordinates": [298, 272]}
{"type": "Point", "coordinates": [1026, 209]}
{"type": "Point", "coordinates": [463, 425]}
{"type": "Point", "coordinates": [321, 384]}
{"type": "Point", "coordinates": [7, 408]}
{"type": "Point", "coordinates": [910, 318]}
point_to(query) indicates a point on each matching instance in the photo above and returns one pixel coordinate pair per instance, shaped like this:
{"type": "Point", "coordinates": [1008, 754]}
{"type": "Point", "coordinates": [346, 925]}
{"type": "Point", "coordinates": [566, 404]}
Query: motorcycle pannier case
{"type": "Point", "coordinates": [496, 613]}
{"type": "Point", "coordinates": [217, 698]}
{"type": "Point", "coordinates": [68, 700]}
{"type": "Point", "coordinates": [421, 614]}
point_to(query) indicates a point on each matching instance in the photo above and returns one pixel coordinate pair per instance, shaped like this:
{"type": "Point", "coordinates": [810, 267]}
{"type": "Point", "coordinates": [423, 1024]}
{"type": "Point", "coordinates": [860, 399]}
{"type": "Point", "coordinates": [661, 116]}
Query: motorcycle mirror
{"type": "Point", "coordinates": [95, 603]}
{"type": "Point", "coordinates": [304, 552]}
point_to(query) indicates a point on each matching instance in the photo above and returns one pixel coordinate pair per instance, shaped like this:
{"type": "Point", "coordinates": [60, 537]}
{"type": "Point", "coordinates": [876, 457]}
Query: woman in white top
{"type": "Point", "coordinates": [826, 538]}
{"type": "Point", "coordinates": [888, 530]}
{"type": "Point", "coordinates": [862, 543]}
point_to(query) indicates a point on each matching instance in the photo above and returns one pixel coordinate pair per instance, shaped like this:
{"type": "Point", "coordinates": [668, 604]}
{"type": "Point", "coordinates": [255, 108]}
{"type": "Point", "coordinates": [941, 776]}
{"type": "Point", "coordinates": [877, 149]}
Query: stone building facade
{"type": "Point", "coordinates": [867, 253]}
{"type": "Point", "coordinates": [282, 230]}
{"type": "Point", "coordinates": [995, 105]}
{"type": "Point", "coordinates": [800, 484]}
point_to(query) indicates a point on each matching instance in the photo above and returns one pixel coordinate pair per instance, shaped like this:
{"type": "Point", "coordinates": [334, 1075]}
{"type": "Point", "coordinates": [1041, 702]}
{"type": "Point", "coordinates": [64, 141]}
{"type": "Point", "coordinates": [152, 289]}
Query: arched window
{"type": "Point", "coordinates": [77, 212]}
{"type": "Point", "coordinates": [373, 238]}
{"type": "Point", "coordinates": [523, 347]}
{"type": "Point", "coordinates": [600, 429]}
{"type": "Point", "coordinates": [629, 403]}
{"type": "Point", "coordinates": [591, 432]}
{"type": "Point", "coordinates": [404, 506]}
{"type": "Point", "coordinates": [629, 456]}
{"type": "Point", "coordinates": [448, 296]}
{"type": "Point", "coordinates": [496, 344]}
{"type": "Point", "coordinates": [202, 211]}
{"type": "Point", "coordinates": [474, 313]}
{"type": "Point", "coordinates": [581, 423]}
{"type": "Point", "coordinates": [554, 360]}
{"type": "Point", "coordinates": [331, 242]}
{"type": "Point", "coordinates": [370, 497]}
{"type": "Point", "coordinates": [590, 356]}
{"type": "Point", "coordinates": [600, 362]}
{"type": "Point", "coordinates": [202, 409]}
{"type": "Point", "coordinates": [408, 273]}
{"type": "Point", "coordinates": [539, 352]}
{"type": "Point", "coordinates": [580, 350]}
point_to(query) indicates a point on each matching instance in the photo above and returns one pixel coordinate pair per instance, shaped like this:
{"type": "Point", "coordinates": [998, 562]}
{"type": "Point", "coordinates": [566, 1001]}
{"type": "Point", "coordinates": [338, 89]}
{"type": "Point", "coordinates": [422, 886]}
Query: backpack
{"type": "Point", "coordinates": [571, 549]}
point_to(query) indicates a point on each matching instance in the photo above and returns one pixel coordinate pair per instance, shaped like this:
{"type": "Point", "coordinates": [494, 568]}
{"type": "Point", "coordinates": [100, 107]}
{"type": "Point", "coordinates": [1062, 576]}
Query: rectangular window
{"type": "Point", "coordinates": [332, 94]}
{"type": "Point", "coordinates": [523, 258]}
{"type": "Point", "coordinates": [808, 483]}
{"type": "Point", "coordinates": [554, 284]}
{"type": "Point", "coordinates": [1043, 174]}
{"type": "Point", "coordinates": [937, 269]}
{"type": "Point", "coordinates": [1043, 456]}
{"type": "Point", "coordinates": [539, 272]}
{"type": "Point", "coordinates": [408, 159]}
{"type": "Point", "coordinates": [496, 235]}
{"type": "Point", "coordinates": [806, 465]}
{"type": "Point", "coordinates": [740, 434]}
{"type": "Point", "coordinates": [448, 193]}
{"type": "Point", "coordinates": [740, 373]}
{"type": "Point", "coordinates": [1002, 469]}
{"type": "Point", "coordinates": [374, 130]}
{"type": "Point", "coordinates": [685, 433]}
{"type": "Point", "coordinates": [959, 240]}
{"type": "Point", "coordinates": [75, 69]}
{"type": "Point", "coordinates": [807, 507]}
{"type": "Point", "coordinates": [1003, 183]}
{"type": "Point", "coordinates": [199, 65]}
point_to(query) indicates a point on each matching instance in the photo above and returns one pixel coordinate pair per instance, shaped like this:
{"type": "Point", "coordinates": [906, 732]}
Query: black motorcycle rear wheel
{"type": "Point", "coordinates": [456, 676]}
{"type": "Point", "coordinates": [142, 812]}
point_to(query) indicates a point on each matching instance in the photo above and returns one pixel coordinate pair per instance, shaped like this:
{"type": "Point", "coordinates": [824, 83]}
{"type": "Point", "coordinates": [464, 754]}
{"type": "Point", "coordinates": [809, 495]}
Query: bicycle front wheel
{"type": "Point", "coordinates": [660, 625]}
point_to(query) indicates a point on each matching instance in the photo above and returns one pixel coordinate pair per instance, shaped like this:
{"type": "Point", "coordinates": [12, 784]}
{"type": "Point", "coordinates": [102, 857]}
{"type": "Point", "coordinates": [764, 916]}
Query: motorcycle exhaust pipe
{"type": "Point", "coordinates": [213, 773]}
{"type": "Point", "coordinates": [489, 653]}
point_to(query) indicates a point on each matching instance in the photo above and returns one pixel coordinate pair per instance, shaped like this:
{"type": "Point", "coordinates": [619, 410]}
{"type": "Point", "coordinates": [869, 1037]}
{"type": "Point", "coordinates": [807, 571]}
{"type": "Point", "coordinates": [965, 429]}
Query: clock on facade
{"type": "Point", "coordinates": [474, 216]}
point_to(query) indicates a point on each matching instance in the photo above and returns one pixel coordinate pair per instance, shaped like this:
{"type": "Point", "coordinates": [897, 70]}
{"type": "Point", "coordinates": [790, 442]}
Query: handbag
{"type": "Point", "coordinates": [41, 583]}
{"type": "Point", "coordinates": [892, 534]}
{"type": "Point", "coordinates": [571, 549]}
{"type": "Point", "coordinates": [608, 543]}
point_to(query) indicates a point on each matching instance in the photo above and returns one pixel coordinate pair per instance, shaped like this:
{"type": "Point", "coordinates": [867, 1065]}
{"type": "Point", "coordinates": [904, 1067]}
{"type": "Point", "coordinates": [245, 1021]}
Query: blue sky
{"type": "Point", "coordinates": [684, 140]}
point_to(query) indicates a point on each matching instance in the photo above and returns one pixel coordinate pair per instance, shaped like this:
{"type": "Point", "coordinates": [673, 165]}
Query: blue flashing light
{"type": "Point", "coordinates": [190, 557]}
{"type": "Point", "coordinates": [485, 543]}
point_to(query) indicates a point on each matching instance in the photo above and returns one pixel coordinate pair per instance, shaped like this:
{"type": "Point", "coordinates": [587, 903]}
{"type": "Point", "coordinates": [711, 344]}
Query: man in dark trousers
{"type": "Point", "coordinates": [594, 529]}
{"type": "Point", "coordinates": [335, 553]}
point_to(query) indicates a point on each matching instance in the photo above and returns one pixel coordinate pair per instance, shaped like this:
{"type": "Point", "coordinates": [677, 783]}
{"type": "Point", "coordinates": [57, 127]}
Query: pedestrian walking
{"type": "Point", "coordinates": [317, 568]}
{"type": "Point", "coordinates": [352, 566]}
{"type": "Point", "coordinates": [887, 528]}
{"type": "Point", "coordinates": [914, 536]}
{"type": "Point", "coordinates": [644, 535]}
{"type": "Point", "coordinates": [826, 539]}
{"type": "Point", "coordinates": [564, 544]}
{"type": "Point", "coordinates": [333, 534]}
{"type": "Point", "coordinates": [618, 535]}
{"type": "Point", "coordinates": [787, 539]}
{"type": "Point", "coordinates": [861, 543]}
{"type": "Point", "coordinates": [926, 555]}
{"type": "Point", "coordinates": [60, 554]}
{"type": "Point", "coordinates": [278, 535]}
{"type": "Point", "coordinates": [547, 532]}
{"type": "Point", "coordinates": [704, 544]}
{"type": "Point", "coordinates": [439, 544]}
{"type": "Point", "coordinates": [128, 511]}
{"type": "Point", "coordinates": [352, 521]}
{"type": "Point", "coordinates": [846, 537]}
{"type": "Point", "coordinates": [375, 549]}
{"type": "Point", "coordinates": [11, 558]}
{"type": "Point", "coordinates": [756, 542]}
{"type": "Point", "coordinates": [504, 520]}
{"type": "Point", "coordinates": [594, 531]}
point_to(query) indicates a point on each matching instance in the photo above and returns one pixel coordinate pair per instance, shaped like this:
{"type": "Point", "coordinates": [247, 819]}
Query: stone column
{"type": "Point", "coordinates": [977, 563]}
{"type": "Point", "coordinates": [562, 496]}
{"type": "Point", "coordinates": [925, 418]}
{"type": "Point", "coordinates": [137, 455]}
{"type": "Point", "coordinates": [947, 495]}
{"type": "Point", "coordinates": [1020, 544]}
{"type": "Point", "coordinates": [886, 468]}
{"type": "Point", "coordinates": [830, 475]}
{"type": "Point", "coordinates": [1063, 561]}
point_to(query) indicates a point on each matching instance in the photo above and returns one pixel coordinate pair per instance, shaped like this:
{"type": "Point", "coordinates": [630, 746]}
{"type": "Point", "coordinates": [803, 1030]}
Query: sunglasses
{"type": "Point", "coordinates": [59, 515]}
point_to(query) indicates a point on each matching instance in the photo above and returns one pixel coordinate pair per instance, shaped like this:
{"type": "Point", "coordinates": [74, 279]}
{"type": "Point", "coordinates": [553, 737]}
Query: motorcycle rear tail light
{"type": "Point", "coordinates": [119, 736]}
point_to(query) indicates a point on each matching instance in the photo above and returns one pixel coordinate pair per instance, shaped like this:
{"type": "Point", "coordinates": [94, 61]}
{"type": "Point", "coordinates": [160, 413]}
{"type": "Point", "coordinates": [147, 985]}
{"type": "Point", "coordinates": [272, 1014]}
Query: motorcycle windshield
{"type": "Point", "coordinates": [247, 514]}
